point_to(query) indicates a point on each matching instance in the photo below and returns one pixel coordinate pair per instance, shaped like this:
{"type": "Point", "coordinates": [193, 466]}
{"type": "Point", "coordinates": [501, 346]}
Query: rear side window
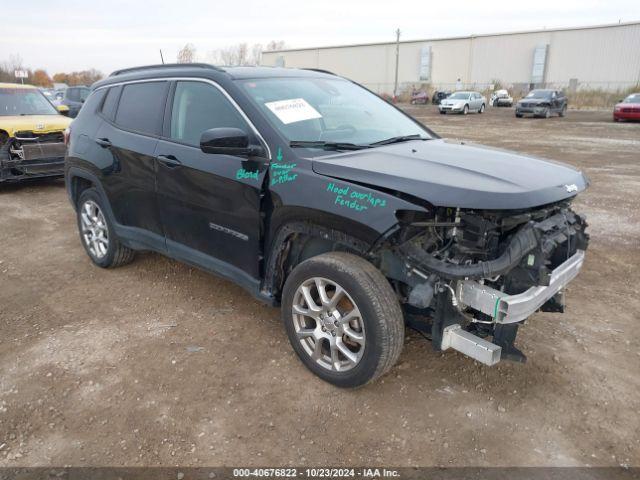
{"type": "Point", "coordinates": [141, 107]}
{"type": "Point", "coordinates": [197, 107]}
{"type": "Point", "coordinates": [110, 102]}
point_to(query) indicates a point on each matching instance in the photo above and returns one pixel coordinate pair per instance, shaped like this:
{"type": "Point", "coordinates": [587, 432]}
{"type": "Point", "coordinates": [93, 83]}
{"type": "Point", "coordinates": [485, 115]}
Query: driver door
{"type": "Point", "coordinates": [209, 203]}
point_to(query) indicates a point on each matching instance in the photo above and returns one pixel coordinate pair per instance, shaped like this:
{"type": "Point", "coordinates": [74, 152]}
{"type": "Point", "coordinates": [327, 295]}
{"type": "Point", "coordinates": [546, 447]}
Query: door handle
{"type": "Point", "coordinates": [103, 142]}
{"type": "Point", "coordinates": [169, 161]}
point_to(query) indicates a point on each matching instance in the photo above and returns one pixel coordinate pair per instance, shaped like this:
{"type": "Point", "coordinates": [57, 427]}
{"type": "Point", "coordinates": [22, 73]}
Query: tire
{"type": "Point", "coordinates": [465, 110]}
{"type": "Point", "coordinates": [106, 251]}
{"type": "Point", "coordinates": [442, 112]}
{"type": "Point", "coordinates": [481, 108]}
{"type": "Point", "coordinates": [518, 115]}
{"type": "Point", "coordinates": [378, 323]}
{"type": "Point", "coordinates": [563, 111]}
{"type": "Point", "coordinates": [547, 113]}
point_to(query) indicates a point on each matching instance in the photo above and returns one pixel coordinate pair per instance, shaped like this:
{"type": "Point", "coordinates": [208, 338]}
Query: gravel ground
{"type": "Point", "coordinates": [157, 363]}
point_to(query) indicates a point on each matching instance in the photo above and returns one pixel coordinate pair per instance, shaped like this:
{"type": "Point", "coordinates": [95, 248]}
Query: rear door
{"type": "Point", "coordinates": [209, 203]}
{"type": "Point", "coordinates": [129, 140]}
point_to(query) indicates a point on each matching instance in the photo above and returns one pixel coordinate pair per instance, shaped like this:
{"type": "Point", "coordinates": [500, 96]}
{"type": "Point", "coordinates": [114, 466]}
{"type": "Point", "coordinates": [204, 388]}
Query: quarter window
{"type": "Point", "coordinates": [141, 107]}
{"type": "Point", "coordinates": [109, 105]}
{"type": "Point", "coordinates": [198, 107]}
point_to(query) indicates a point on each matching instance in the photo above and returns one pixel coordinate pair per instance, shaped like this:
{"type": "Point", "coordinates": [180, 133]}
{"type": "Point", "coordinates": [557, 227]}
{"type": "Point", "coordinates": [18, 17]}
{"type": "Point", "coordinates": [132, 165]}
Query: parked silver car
{"type": "Point", "coordinates": [463, 102]}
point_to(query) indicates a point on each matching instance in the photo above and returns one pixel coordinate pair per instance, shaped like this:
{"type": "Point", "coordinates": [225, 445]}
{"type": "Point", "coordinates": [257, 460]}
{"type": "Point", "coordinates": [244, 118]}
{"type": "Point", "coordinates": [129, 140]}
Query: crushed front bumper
{"type": "Point", "coordinates": [507, 309]}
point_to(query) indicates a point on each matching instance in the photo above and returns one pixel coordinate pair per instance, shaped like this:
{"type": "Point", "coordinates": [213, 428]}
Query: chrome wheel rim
{"type": "Point", "coordinates": [94, 229]}
{"type": "Point", "coordinates": [328, 324]}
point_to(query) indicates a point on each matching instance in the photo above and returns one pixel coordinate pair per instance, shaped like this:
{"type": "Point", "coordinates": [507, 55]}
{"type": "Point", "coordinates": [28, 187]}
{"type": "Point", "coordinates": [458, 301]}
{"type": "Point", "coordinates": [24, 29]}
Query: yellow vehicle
{"type": "Point", "coordinates": [31, 134]}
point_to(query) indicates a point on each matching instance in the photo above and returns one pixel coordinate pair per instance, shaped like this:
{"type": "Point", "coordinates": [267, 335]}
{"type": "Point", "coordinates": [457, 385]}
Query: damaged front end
{"type": "Point", "coordinates": [465, 276]}
{"type": "Point", "coordinates": [29, 154]}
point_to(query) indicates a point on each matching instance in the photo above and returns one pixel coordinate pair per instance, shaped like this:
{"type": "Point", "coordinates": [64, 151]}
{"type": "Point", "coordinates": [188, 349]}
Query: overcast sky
{"type": "Point", "coordinates": [80, 34]}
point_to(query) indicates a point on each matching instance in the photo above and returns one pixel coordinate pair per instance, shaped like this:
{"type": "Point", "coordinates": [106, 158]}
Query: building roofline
{"type": "Point", "coordinates": [460, 37]}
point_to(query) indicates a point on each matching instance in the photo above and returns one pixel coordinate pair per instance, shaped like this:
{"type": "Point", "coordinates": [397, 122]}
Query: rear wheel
{"type": "Point", "coordinates": [481, 108]}
{"type": "Point", "coordinates": [342, 318]}
{"type": "Point", "coordinates": [97, 233]}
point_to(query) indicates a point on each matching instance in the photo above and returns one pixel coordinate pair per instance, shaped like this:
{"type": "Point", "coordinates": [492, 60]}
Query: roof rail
{"type": "Point", "coordinates": [165, 65]}
{"type": "Point", "coordinates": [320, 70]}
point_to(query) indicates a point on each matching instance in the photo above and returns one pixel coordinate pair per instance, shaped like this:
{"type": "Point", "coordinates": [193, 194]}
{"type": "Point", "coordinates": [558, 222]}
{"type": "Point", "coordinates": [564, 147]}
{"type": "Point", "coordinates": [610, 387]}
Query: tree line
{"type": "Point", "coordinates": [232, 55]}
{"type": "Point", "coordinates": [40, 78]}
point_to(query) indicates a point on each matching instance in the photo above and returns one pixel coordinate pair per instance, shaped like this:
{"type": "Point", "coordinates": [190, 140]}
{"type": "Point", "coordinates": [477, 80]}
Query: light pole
{"type": "Point", "coordinates": [395, 85]}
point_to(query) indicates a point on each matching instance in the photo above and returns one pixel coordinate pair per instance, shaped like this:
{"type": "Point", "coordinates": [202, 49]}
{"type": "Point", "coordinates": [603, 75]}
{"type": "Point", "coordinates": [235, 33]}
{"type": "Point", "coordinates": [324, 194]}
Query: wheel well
{"type": "Point", "coordinates": [79, 185]}
{"type": "Point", "coordinates": [298, 241]}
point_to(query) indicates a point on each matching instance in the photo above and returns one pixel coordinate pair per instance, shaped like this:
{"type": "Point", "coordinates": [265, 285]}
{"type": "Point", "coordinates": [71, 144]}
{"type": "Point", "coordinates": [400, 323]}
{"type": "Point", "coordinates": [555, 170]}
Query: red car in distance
{"type": "Point", "coordinates": [627, 109]}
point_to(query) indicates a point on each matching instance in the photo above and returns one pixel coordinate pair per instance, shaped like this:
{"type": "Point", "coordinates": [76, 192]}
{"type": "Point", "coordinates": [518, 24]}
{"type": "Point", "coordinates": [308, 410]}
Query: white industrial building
{"type": "Point", "coordinates": [604, 56]}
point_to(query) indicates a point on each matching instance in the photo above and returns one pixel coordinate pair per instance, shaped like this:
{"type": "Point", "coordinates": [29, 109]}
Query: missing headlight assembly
{"type": "Point", "coordinates": [467, 275]}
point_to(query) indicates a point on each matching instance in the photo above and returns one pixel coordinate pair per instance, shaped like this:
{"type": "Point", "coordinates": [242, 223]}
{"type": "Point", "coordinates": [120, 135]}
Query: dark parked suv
{"type": "Point", "coordinates": [74, 97]}
{"type": "Point", "coordinates": [316, 195]}
{"type": "Point", "coordinates": [542, 103]}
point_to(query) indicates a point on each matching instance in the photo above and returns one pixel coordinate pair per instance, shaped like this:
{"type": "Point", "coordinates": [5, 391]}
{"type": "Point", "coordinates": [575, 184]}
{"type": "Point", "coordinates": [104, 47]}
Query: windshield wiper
{"type": "Point", "coordinates": [403, 138]}
{"type": "Point", "coordinates": [326, 145]}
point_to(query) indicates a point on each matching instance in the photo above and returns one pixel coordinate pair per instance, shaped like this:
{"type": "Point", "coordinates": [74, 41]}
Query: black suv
{"type": "Point", "coordinates": [542, 103]}
{"type": "Point", "coordinates": [316, 195]}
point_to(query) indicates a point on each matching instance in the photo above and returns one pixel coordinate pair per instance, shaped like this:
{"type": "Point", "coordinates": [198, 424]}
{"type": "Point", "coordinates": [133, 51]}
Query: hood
{"type": "Point", "coordinates": [34, 123]}
{"type": "Point", "coordinates": [457, 175]}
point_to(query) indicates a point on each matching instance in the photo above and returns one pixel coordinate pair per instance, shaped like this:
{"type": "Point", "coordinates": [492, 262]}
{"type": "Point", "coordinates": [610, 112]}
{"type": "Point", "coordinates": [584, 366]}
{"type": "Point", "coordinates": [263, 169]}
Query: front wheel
{"type": "Point", "coordinates": [563, 111]}
{"type": "Point", "coordinates": [465, 110]}
{"type": "Point", "coordinates": [342, 318]}
{"type": "Point", "coordinates": [481, 108]}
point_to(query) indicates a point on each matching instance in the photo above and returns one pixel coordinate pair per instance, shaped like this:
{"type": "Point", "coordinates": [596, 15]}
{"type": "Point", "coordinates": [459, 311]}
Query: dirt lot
{"type": "Point", "coordinates": [157, 363]}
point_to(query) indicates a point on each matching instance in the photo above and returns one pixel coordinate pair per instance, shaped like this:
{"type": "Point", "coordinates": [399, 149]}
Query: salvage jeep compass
{"type": "Point", "coordinates": [317, 195]}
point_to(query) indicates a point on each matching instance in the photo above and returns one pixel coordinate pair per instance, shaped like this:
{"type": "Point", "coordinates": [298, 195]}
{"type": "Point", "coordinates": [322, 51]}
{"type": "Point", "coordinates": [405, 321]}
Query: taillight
{"type": "Point", "coordinates": [67, 134]}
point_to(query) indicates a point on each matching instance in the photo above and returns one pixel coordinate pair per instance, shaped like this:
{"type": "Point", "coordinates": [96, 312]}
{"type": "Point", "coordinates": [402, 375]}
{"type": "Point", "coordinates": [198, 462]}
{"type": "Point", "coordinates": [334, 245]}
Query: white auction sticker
{"type": "Point", "coordinates": [294, 110]}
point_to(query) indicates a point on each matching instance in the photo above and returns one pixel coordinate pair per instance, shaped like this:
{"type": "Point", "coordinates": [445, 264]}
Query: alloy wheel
{"type": "Point", "coordinates": [328, 324]}
{"type": "Point", "coordinates": [94, 229]}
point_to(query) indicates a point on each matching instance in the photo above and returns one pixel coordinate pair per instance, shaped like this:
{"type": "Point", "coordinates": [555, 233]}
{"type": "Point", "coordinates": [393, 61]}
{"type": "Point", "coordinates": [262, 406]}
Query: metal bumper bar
{"type": "Point", "coordinates": [515, 308]}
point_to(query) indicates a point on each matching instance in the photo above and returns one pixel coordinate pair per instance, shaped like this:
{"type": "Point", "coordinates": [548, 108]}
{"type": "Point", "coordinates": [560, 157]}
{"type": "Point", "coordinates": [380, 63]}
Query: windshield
{"type": "Point", "coordinates": [24, 101]}
{"type": "Point", "coordinates": [635, 98]}
{"type": "Point", "coordinates": [329, 110]}
{"type": "Point", "coordinates": [539, 94]}
{"type": "Point", "coordinates": [458, 96]}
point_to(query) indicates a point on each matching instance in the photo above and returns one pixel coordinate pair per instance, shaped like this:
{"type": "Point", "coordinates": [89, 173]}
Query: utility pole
{"type": "Point", "coordinates": [395, 85]}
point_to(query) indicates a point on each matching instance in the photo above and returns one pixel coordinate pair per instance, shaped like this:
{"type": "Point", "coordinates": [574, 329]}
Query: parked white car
{"type": "Point", "coordinates": [463, 102]}
{"type": "Point", "coordinates": [501, 98]}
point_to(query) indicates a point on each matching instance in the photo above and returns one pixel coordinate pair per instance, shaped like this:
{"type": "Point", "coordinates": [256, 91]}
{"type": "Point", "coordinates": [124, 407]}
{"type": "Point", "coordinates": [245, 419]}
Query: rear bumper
{"type": "Point", "coordinates": [507, 309]}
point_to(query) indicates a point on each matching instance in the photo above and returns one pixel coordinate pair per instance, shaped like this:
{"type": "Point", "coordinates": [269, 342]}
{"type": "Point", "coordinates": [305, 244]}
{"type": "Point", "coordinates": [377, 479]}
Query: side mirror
{"type": "Point", "coordinates": [63, 109]}
{"type": "Point", "coordinates": [621, 100]}
{"type": "Point", "coordinates": [228, 141]}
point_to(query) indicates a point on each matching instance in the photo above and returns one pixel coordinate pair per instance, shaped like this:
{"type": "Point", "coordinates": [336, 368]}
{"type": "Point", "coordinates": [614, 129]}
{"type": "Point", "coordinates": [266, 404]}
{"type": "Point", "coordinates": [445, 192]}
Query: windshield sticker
{"type": "Point", "coordinates": [293, 110]}
{"type": "Point", "coordinates": [354, 199]}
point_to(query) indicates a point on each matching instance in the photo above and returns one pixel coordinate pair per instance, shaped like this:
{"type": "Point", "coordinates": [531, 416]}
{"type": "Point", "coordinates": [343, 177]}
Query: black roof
{"type": "Point", "coordinates": [206, 70]}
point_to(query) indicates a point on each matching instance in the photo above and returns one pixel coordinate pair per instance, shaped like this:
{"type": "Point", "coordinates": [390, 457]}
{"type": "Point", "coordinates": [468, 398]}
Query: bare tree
{"type": "Point", "coordinates": [187, 54]}
{"type": "Point", "coordinates": [276, 45]}
{"type": "Point", "coordinates": [240, 54]}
